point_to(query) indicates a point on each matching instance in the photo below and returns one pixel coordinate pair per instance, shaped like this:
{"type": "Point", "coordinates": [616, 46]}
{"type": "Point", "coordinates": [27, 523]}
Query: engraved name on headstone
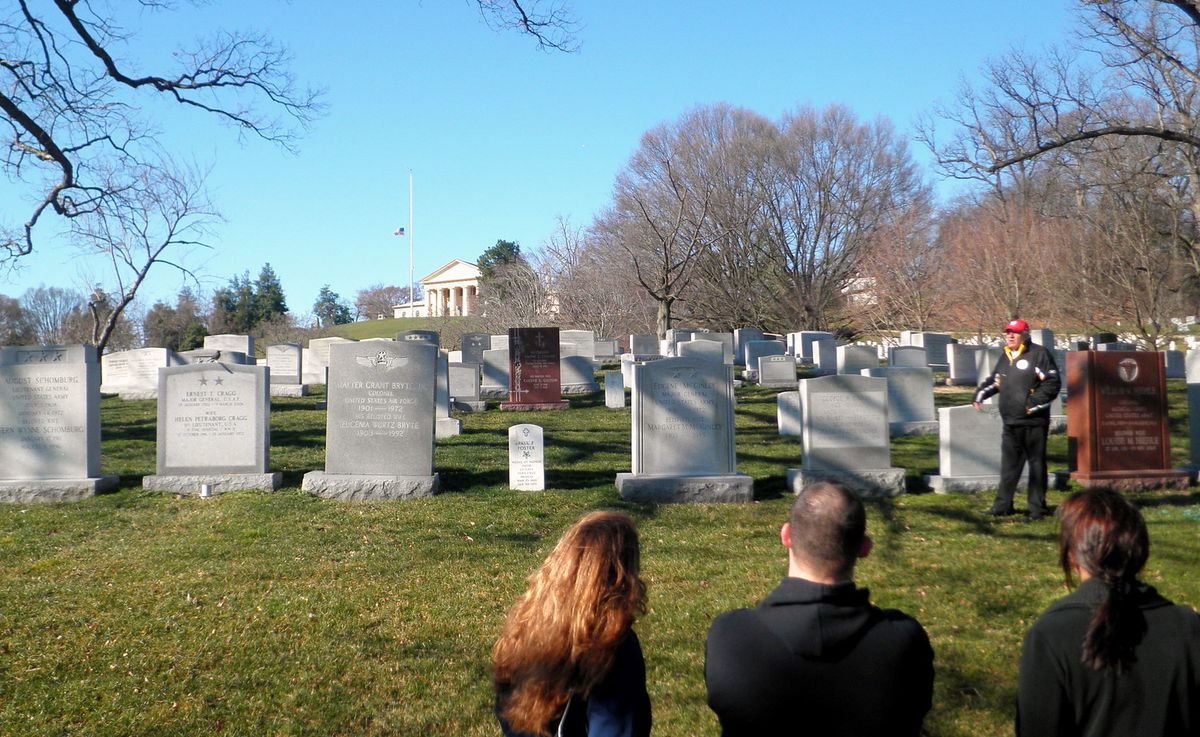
{"type": "Point", "coordinates": [526, 458]}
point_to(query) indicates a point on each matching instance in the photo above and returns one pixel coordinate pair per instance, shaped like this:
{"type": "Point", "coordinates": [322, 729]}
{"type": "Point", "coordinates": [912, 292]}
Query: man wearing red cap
{"type": "Point", "coordinates": [1026, 378]}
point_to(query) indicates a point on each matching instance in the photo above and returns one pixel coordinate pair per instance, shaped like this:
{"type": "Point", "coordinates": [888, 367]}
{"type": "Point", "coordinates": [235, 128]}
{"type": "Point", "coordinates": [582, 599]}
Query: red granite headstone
{"type": "Point", "coordinates": [1117, 420]}
{"type": "Point", "coordinates": [535, 378]}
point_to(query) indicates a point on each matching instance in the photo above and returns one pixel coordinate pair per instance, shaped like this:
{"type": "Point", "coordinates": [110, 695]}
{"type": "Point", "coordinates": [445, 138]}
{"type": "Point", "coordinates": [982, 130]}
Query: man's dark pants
{"type": "Point", "coordinates": [1021, 444]}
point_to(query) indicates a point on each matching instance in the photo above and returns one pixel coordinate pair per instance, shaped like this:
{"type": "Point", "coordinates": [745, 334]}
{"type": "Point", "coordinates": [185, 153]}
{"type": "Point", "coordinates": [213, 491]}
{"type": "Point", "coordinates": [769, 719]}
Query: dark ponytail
{"type": "Point", "coordinates": [1104, 535]}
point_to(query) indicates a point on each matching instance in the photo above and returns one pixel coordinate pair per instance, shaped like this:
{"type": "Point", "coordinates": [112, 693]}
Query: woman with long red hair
{"type": "Point", "coordinates": [568, 656]}
{"type": "Point", "coordinates": [1114, 657]}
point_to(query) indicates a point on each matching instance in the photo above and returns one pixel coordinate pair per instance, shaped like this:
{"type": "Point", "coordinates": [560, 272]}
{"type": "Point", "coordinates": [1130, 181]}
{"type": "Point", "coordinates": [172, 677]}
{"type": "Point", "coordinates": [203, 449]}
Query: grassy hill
{"type": "Point", "coordinates": [138, 613]}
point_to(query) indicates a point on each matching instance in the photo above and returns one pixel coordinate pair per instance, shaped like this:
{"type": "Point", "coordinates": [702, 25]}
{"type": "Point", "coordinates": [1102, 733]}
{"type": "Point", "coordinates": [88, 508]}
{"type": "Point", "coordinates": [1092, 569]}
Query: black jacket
{"type": "Point", "coordinates": [820, 660]}
{"type": "Point", "coordinates": [1159, 695]}
{"type": "Point", "coordinates": [1026, 386]}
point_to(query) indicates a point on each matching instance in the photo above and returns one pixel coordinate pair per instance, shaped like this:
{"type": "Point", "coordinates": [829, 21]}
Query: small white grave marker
{"type": "Point", "coordinates": [526, 453]}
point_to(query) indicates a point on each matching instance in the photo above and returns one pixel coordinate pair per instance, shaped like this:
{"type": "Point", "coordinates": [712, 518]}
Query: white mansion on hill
{"type": "Point", "coordinates": [450, 290]}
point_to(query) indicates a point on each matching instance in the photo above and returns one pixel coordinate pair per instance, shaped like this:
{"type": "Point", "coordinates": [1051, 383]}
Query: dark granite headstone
{"type": "Point", "coordinates": [1117, 432]}
{"type": "Point", "coordinates": [534, 372]}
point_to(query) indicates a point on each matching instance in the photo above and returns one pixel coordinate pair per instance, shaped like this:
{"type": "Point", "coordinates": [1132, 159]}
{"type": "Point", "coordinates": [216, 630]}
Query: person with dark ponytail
{"type": "Point", "coordinates": [1114, 657]}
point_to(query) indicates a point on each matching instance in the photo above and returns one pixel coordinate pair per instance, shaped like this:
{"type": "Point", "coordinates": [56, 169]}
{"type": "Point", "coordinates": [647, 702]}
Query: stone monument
{"type": "Point", "coordinates": [286, 361]}
{"type": "Point", "coordinates": [380, 424]}
{"type": "Point", "coordinates": [526, 458]}
{"type": "Point", "coordinates": [534, 370]}
{"type": "Point", "coordinates": [50, 424]}
{"type": "Point", "coordinates": [682, 435]}
{"type": "Point", "coordinates": [214, 430]}
{"type": "Point", "coordinates": [1117, 432]}
{"type": "Point", "coordinates": [845, 436]}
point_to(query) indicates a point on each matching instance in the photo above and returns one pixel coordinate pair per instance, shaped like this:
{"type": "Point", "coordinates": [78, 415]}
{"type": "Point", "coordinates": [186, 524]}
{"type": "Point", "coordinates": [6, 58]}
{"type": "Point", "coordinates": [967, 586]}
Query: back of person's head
{"type": "Point", "coordinates": [562, 634]}
{"type": "Point", "coordinates": [1104, 535]}
{"type": "Point", "coordinates": [828, 525]}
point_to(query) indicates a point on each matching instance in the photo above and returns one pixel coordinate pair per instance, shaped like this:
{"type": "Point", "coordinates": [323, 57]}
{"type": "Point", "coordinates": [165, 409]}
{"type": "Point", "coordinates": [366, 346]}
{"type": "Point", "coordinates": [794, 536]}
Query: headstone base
{"type": "Point", "coordinates": [55, 490]}
{"type": "Point", "coordinates": [1139, 480]}
{"type": "Point", "coordinates": [968, 484]}
{"type": "Point", "coordinates": [534, 406]}
{"type": "Point", "coordinates": [463, 405]}
{"type": "Point", "coordinates": [912, 429]}
{"type": "Point", "coordinates": [447, 427]}
{"type": "Point", "coordinates": [638, 357]}
{"type": "Point", "coordinates": [355, 487]}
{"type": "Point", "coordinates": [1058, 424]}
{"type": "Point", "coordinates": [866, 482]}
{"type": "Point", "coordinates": [219, 483]}
{"type": "Point", "coordinates": [289, 390]}
{"type": "Point", "coordinates": [134, 396]}
{"type": "Point", "coordinates": [779, 384]}
{"type": "Point", "coordinates": [493, 392]}
{"type": "Point", "coordinates": [734, 487]}
{"type": "Point", "coordinates": [952, 381]}
{"type": "Point", "coordinates": [589, 388]}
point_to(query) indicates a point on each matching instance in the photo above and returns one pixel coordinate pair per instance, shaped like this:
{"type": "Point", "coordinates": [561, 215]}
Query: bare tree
{"type": "Point", "coordinates": [51, 309]}
{"type": "Point", "coordinates": [76, 104]}
{"type": "Point", "coordinates": [834, 182]}
{"type": "Point", "coordinates": [378, 299]}
{"type": "Point", "coordinates": [1133, 73]}
{"type": "Point", "coordinates": [902, 276]}
{"type": "Point", "coordinates": [1131, 267]}
{"type": "Point", "coordinates": [733, 286]}
{"type": "Point", "coordinates": [516, 295]}
{"type": "Point", "coordinates": [661, 204]}
{"type": "Point", "coordinates": [591, 287]}
{"type": "Point", "coordinates": [550, 22]}
{"type": "Point", "coordinates": [161, 216]}
{"type": "Point", "coordinates": [75, 107]}
{"type": "Point", "coordinates": [16, 327]}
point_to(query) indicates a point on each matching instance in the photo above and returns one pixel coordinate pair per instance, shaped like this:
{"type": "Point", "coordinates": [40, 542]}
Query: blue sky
{"type": "Point", "coordinates": [501, 137]}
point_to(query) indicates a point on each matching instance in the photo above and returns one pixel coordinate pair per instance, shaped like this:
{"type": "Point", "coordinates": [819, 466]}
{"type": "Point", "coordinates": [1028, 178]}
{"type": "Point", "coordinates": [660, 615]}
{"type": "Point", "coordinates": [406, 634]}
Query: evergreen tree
{"type": "Point", "coordinates": [269, 302]}
{"type": "Point", "coordinates": [504, 252]}
{"type": "Point", "coordinates": [330, 310]}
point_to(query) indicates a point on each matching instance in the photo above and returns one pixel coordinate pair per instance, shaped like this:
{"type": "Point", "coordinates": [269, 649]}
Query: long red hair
{"type": "Point", "coordinates": [562, 634]}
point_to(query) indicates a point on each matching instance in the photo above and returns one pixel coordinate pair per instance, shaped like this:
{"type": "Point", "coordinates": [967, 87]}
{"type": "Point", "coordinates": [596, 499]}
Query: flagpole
{"type": "Point", "coordinates": [412, 291]}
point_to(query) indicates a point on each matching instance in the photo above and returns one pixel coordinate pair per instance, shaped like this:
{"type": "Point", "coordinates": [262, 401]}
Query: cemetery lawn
{"type": "Point", "coordinates": [250, 613]}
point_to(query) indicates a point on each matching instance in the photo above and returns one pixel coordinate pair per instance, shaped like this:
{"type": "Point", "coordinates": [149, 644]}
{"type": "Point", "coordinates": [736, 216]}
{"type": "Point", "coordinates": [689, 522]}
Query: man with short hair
{"type": "Point", "coordinates": [816, 657]}
{"type": "Point", "coordinates": [1026, 378]}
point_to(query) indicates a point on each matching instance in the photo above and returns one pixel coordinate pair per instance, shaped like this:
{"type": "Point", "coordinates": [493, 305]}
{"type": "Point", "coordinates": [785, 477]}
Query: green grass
{"type": "Point", "coordinates": [387, 328]}
{"type": "Point", "coordinates": [281, 614]}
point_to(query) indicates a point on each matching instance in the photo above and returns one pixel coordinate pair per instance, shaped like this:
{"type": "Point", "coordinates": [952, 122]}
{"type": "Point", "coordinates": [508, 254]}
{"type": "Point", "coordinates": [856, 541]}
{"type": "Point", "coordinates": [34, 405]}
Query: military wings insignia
{"type": "Point", "coordinates": [382, 359]}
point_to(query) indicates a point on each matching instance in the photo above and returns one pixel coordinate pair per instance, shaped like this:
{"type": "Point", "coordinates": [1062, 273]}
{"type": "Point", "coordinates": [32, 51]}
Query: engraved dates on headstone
{"type": "Point", "coordinates": [381, 409]}
{"type": "Point", "coordinates": [212, 418]}
{"type": "Point", "coordinates": [526, 454]}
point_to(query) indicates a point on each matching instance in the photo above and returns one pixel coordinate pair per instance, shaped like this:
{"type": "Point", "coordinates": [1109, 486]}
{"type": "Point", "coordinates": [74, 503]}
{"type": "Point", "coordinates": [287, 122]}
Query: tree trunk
{"type": "Point", "coordinates": [664, 317]}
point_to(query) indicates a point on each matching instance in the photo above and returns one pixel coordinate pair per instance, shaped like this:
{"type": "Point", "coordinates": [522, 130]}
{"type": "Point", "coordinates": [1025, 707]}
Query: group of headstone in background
{"type": "Point", "coordinates": [387, 401]}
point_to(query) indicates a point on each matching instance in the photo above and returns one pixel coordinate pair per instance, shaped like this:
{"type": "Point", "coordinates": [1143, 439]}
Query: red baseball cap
{"type": "Point", "coordinates": [1016, 326]}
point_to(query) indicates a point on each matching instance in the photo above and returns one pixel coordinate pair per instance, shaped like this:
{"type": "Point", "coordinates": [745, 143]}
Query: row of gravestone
{"type": "Point", "coordinates": [134, 374]}
{"type": "Point", "coordinates": [383, 408]}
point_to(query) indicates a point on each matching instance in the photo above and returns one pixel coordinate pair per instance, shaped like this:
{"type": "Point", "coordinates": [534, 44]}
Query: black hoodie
{"type": "Point", "coordinates": [820, 660]}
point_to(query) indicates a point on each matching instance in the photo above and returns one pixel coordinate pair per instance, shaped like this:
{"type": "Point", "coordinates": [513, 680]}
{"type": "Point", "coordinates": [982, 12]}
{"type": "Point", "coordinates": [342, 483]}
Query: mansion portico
{"type": "Point", "coordinates": [449, 291]}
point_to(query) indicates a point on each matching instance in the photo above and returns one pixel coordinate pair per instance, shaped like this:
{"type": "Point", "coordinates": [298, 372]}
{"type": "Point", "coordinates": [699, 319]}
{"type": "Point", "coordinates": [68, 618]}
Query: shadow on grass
{"type": "Point", "coordinates": [139, 430]}
{"type": "Point", "coordinates": [1149, 500]}
{"type": "Point", "coordinates": [459, 480]}
{"type": "Point", "coordinates": [278, 408]}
